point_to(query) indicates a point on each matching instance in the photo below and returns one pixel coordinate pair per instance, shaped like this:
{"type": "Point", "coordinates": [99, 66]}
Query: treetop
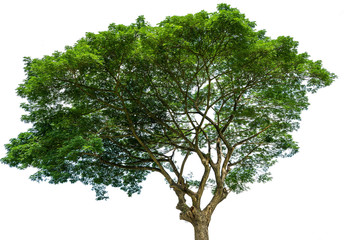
{"type": "Point", "coordinates": [136, 99]}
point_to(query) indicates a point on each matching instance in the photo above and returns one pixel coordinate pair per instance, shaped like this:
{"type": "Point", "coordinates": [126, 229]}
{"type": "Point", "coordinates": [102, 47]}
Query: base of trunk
{"type": "Point", "coordinates": [201, 231]}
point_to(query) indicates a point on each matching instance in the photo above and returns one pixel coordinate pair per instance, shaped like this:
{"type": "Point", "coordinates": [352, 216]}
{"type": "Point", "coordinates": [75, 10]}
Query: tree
{"type": "Point", "coordinates": [205, 87]}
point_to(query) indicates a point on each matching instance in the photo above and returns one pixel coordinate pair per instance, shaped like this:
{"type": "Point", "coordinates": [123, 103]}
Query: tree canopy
{"type": "Point", "coordinates": [136, 99]}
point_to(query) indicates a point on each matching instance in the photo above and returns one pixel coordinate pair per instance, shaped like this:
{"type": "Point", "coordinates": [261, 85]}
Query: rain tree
{"type": "Point", "coordinates": [205, 87]}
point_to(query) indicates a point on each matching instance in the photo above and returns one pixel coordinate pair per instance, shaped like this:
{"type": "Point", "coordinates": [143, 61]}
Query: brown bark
{"type": "Point", "coordinates": [201, 230]}
{"type": "Point", "coordinates": [200, 219]}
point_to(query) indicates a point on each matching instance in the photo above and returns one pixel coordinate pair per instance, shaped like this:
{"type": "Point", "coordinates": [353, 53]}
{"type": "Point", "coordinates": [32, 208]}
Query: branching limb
{"type": "Point", "coordinates": [218, 130]}
{"type": "Point", "coordinates": [253, 136]}
{"type": "Point", "coordinates": [128, 167]}
{"type": "Point", "coordinates": [203, 181]}
{"type": "Point", "coordinates": [181, 179]}
{"type": "Point", "coordinates": [244, 158]}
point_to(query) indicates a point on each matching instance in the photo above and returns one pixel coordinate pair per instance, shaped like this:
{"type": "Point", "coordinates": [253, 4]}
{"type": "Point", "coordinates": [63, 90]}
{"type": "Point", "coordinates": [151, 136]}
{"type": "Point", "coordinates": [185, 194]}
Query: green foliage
{"type": "Point", "coordinates": [112, 108]}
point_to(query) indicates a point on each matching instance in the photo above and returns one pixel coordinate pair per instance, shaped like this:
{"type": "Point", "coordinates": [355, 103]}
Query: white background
{"type": "Point", "coordinates": [314, 195]}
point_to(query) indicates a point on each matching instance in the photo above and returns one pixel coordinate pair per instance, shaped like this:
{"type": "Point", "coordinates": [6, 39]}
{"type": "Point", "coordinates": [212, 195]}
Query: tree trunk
{"type": "Point", "coordinates": [201, 231]}
{"type": "Point", "coordinates": [200, 219]}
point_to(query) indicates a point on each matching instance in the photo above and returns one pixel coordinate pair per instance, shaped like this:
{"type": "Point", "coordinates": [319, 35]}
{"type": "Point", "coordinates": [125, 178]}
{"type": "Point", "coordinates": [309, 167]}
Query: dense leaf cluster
{"type": "Point", "coordinates": [127, 101]}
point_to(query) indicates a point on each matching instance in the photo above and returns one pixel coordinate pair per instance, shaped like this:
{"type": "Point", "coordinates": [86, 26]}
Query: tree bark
{"type": "Point", "coordinates": [200, 219]}
{"type": "Point", "coordinates": [201, 230]}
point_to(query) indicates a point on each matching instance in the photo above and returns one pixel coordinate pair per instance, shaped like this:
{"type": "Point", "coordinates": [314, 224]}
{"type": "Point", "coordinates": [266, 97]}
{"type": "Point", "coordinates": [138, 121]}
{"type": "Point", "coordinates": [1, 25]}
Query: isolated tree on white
{"type": "Point", "coordinates": [137, 99]}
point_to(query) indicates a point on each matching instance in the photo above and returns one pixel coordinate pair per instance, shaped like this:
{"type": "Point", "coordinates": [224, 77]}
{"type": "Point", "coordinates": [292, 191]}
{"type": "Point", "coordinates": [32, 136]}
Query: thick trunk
{"type": "Point", "coordinates": [200, 219]}
{"type": "Point", "coordinates": [201, 231]}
